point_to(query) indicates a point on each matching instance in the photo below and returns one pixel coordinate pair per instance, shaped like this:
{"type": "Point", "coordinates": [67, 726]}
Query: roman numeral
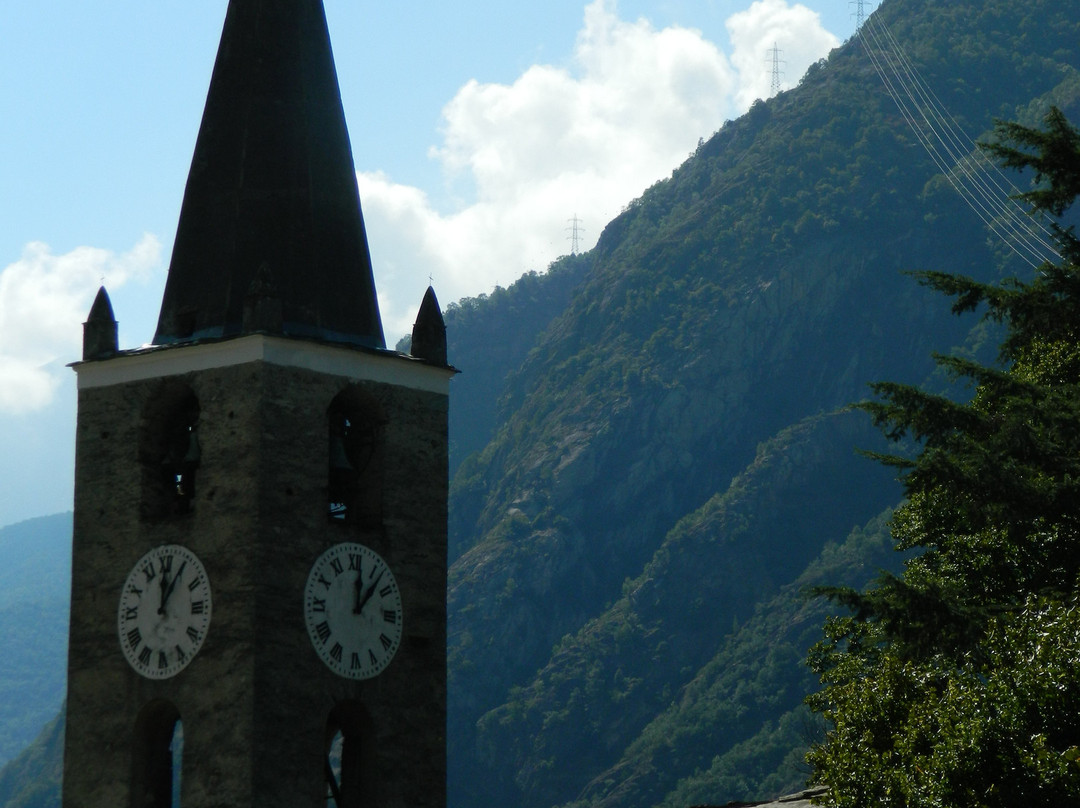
{"type": "Point", "coordinates": [144, 656]}
{"type": "Point", "coordinates": [131, 612]}
{"type": "Point", "coordinates": [324, 582]}
{"type": "Point", "coordinates": [323, 631]}
{"type": "Point", "coordinates": [149, 572]}
{"type": "Point", "coordinates": [354, 562]}
{"type": "Point", "coordinates": [386, 642]}
{"type": "Point", "coordinates": [336, 566]}
{"type": "Point", "coordinates": [193, 634]}
{"type": "Point", "coordinates": [335, 652]}
{"type": "Point", "coordinates": [371, 655]}
{"type": "Point", "coordinates": [166, 564]}
{"type": "Point", "coordinates": [198, 606]}
{"type": "Point", "coordinates": [162, 660]}
{"type": "Point", "coordinates": [389, 615]}
{"type": "Point", "coordinates": [193, 585]}
{"type": "Point", "coordinates": [180, 655]}
{"type": "Point", "coordinates": [135, 591]}
{"type": "Point", "coordinates": [355, 661]}
{"type": "Point", "coordinates": [318, 605]}
{"type": "Point", "coordinates": [134, 637]}
{"type": "Point", "coordinates": [386, 590]}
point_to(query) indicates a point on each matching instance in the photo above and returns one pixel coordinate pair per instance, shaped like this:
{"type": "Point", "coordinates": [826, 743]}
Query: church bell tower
{"type": "Point", "coordinates": [258, 611]}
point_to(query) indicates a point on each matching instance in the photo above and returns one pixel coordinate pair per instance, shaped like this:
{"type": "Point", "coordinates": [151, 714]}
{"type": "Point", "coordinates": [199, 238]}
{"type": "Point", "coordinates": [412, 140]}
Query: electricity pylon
{"type": "Point", "coordinates": [860, 12]}
{"type": "Point", "coordinates": [773, 54]}
{"type": "Point", "coordinates": [575, 230]}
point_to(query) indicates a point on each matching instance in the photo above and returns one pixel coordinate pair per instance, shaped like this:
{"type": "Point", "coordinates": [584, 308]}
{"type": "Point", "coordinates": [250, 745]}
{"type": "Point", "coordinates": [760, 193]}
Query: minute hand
{"type": "Point", "coordinates": [168, 592]}
{"type": "Point", "coordinates": [368, 593]}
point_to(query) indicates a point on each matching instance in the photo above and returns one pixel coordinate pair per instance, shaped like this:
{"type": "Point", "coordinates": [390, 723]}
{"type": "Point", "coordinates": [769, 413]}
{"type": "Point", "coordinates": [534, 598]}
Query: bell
{"type": "Point", "coordinates": [194, 453]}
{"type": "Point", "coordinates": [339, 460]}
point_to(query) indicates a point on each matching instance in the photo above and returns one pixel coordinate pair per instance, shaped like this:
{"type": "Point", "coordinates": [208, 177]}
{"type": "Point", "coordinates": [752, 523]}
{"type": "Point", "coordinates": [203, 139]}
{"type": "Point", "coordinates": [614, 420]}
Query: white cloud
{"type": "Point", "coordinates": [794, 29]}
{"type": "Point", "coordinates": [44, 299]}
{"type": "Point", "coordinates": [584, 139]}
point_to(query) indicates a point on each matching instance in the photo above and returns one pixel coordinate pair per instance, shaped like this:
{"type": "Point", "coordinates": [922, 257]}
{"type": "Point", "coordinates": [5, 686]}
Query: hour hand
{"type": "Point", "coordinates": [171, 587]}
{"type": "Point", "coordinates": [368, 593]}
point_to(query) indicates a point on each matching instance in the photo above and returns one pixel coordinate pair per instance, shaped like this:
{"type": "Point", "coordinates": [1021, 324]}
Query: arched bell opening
{"type": "Point", "coordinates": [169, 451]}
{"type": "Point", "coordinates": [158, 756]}
{"type": "Point", "coordinates": [350, 768]}
{"type": "Point", "coordinates": [355, 460]}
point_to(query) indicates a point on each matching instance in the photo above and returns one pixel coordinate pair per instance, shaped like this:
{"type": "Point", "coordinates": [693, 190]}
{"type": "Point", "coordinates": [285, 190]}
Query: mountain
{"type": "Point", "coordinates": [32, 780]}
{"type": "Point", "coordinates": [502, 328]}
{"type": "Point", "coordinates": [35, 588]}
{"type": "Point", "coordinates": [670, 454]}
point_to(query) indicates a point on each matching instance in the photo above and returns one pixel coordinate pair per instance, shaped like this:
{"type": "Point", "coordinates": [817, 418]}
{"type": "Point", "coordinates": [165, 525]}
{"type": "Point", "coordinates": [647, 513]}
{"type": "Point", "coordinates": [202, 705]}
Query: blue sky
{"type": "Point", "coordinates": [478, 131]}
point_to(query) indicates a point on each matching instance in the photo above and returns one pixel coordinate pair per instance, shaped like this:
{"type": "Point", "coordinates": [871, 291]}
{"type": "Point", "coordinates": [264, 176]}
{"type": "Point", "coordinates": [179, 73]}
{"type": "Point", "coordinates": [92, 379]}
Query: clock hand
{"type": "Point", "coordinates": [168, 592]}
{"type": "Point", "coordinates": [367, 595]}
{"type": "Point", "coordinates": [164, 586]}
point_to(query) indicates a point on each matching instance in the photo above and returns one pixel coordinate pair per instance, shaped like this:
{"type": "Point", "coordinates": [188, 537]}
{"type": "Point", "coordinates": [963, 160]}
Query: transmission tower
{"type": "Point", "coordinates": [575, 230]}
{"type": "Point", "coordinates": [860, 11]}
{"type": "Point", "coordinates": [773, 56]}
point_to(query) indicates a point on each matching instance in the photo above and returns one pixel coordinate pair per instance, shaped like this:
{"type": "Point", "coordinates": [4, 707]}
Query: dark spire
{"type": "Point", "coordinates": [429, 331]}
{"type": "Point", "coordinates": [272, 192]}
{"type": "Point", "coordinates": [99, 330]}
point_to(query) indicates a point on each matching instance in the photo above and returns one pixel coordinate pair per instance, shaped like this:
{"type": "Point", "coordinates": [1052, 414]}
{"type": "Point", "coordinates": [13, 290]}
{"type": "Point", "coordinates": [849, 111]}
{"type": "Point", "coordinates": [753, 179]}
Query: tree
{"type": "Point", "coordinates": [958, 682]}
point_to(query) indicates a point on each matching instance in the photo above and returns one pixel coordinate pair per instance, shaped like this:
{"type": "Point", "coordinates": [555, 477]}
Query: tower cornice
{"type": "Point", "coordinates": [153, 362]}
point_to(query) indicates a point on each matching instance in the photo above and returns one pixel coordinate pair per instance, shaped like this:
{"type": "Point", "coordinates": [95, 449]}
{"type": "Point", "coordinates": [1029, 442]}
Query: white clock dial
{"type": "Point", "coordinates": [352, 608]}
{"type": "Point", "coordinates": [164, 611]}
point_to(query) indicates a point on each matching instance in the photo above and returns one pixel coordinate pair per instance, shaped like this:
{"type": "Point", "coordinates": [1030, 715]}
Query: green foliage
{"type": "Point", "coordinates": [32, 780]}
{"type": "Point", "coordinates": [997, 728]}
{"type": "Point", "coordinates": [1056, 158]}
{"type": "Point", "coordinates": [35, 581]}
{"type": "Point", "coordinates": [755, 288]}
{"type": "Point", "coordinates": [958, 683]}
{"type": "Point", "coordinates": [737, 666]}
{"type": "Point", "coordinates": [502, 327]}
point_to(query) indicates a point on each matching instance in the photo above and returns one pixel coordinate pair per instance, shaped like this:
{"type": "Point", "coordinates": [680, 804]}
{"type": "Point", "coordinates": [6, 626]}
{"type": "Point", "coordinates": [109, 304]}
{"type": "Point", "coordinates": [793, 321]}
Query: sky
{"type": "Point", "coordinates": [479, 131]}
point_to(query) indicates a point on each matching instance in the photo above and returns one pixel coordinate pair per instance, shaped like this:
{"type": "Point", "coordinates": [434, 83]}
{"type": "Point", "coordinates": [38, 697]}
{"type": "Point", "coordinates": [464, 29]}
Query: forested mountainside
{"type": "Point", "coordinates": [35, 589]}
{"type": "Point", "coordinates": [664, 461]}
{"type": "Point", "coordinates": [651, 450]}
{"type": "Point", "coordinates": [501, 328]}
{"type": "Point", "coordinates": [32, 780]}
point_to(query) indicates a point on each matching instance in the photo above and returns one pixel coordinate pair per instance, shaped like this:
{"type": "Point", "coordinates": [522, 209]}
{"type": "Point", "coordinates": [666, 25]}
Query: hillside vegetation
{"type": "Point", "coordinates": [32, 780]}
{"type": "Point", "coordinates": [35, 584]}
{"type": "Point", "coordinates": [664, 461]}
{"type": "Point", "coordinates": [957, 683]}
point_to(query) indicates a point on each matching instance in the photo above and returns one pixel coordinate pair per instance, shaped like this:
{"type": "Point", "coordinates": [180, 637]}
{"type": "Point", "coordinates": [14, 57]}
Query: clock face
{"type": "Point", "coordinates": [164, 611]}
{"type": "Point", "coordinates": [352, 607]}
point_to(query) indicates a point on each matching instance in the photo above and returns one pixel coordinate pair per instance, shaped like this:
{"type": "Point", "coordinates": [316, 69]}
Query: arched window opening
{"type": "Point", "coordinates": [350, 764]}
{"type": "Point", "coordinates": [158, 757]}
{"type": "Point", "coordinates": [176, 748]}
{"type": "Point", "coordinates": [354, 476]}
{"type": "Point", "coordinates": [170, 451]}
{"type": "Point", "coordinates": [333, 769]}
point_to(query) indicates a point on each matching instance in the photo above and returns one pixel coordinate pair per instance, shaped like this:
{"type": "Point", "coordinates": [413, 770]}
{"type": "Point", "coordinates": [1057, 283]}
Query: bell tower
{"type": "Point", "coordinates": [258, 612]}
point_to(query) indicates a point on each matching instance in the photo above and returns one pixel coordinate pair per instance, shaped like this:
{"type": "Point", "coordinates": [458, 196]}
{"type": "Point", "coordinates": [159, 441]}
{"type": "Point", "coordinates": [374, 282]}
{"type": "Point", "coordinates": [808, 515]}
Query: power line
{"type": "Point", "coordinates": [978, 180]}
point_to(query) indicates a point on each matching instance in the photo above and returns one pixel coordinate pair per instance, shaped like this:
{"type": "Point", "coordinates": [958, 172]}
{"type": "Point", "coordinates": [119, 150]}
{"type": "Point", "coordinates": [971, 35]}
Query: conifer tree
{"type": "Point", "coordinates": [958, 682]}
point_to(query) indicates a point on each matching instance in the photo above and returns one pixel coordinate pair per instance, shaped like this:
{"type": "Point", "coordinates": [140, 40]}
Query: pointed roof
{"type": "Point", "coordinates": [271, 200]}
{"type": "Point", "coordinates": [429, 331]}
{"type": "Point", "coordinates": [100, 329]}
